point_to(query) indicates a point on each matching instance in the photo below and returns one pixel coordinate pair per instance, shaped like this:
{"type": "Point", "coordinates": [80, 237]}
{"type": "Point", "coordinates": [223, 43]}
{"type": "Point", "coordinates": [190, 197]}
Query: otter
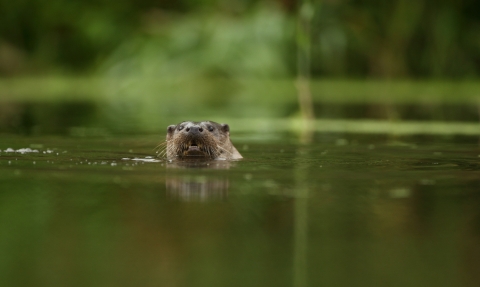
{"type": "Point", "coordinates": [207, 139]}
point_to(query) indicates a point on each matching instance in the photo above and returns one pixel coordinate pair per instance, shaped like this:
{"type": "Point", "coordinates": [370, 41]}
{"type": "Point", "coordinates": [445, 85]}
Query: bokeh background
{"type": "Point", "coordinates": [94, 67]}
{"type": "Point", "coordinates": [354, 39]}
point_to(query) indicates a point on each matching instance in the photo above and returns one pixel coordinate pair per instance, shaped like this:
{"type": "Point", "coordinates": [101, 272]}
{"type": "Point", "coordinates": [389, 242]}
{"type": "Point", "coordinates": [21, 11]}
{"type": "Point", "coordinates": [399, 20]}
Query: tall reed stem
{"type": "Point", "coordinates": [305, 15]}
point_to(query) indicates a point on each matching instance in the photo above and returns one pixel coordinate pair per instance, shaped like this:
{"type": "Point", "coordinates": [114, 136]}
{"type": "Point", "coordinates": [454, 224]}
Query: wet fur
{"type": "Point", "coordinates": [213, 142]}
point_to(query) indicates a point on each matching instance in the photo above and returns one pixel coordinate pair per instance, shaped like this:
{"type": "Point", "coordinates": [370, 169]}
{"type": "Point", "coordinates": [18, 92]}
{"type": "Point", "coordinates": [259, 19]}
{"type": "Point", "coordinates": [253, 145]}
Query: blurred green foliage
{"type": "Point", "coordinates": [219, 38]}
{"type": "Point", "coordinates": [91, 107]}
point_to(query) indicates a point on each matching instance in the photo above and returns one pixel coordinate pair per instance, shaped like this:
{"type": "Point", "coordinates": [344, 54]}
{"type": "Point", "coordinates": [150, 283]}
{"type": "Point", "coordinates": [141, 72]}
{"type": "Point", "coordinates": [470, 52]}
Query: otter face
{"type": "Point", "coordinates": [202, 139]}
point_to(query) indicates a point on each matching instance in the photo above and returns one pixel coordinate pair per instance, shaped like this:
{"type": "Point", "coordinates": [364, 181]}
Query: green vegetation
{"type": "Point", "coordinates": [95, 106]}
{"type": "Point", "coordinates": [279, 91]}
{"type": "Point", "coordinates": [135, 66]}
{"type": "Point", "coordinates": [381, 39]}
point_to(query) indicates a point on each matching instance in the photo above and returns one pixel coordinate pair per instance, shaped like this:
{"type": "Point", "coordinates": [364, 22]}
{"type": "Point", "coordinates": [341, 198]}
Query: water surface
{"type": "Point", "coordinates": [338, 210]}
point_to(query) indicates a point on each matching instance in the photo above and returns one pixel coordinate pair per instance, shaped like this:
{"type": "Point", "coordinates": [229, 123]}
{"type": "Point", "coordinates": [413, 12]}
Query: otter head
{"type": "Point", "coordinates": [200, 139]}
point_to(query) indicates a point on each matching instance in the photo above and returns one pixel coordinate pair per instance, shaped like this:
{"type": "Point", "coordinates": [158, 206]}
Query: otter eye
{"type": "Point", "coordinates": [180, 128]}
{"type": "Point", "coordinates": [210, 128]}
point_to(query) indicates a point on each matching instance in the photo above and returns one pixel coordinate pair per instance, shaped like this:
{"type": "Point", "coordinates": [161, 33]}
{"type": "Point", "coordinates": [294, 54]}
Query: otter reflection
{"type": "Point", "coordinates": [197, 184]}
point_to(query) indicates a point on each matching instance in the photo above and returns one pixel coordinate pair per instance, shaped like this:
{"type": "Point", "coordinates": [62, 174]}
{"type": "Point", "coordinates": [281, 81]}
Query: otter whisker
{"type": "Point", "coordinates": [222, 148]}
{"type": "Point", "coordinates": [163, 143]}
{"type": "Point", "coordinates": [169, 151]}
{"type": "Point", "coordinates": [160, 147]}
{"type": "Point", "coordinates": [164, 152]}
{"type": "Point", "coordinates": [209, 152]}
{"type": "Point", "coordinates": [213, 152]}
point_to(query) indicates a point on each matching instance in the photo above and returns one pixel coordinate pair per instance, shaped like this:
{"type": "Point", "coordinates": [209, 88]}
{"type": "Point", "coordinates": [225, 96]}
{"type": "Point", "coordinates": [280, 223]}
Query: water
{"type": "Point", "coordinates": [340, 210]}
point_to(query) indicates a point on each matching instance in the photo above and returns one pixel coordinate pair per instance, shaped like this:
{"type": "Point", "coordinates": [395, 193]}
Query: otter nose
{"type": "Point", "coordinates": [194, 129]}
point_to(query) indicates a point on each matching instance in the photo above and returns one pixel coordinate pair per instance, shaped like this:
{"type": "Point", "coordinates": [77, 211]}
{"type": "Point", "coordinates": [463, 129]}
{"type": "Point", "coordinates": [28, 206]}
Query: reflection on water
{"type": "Point", "coordinates": [195, 186]}
{"type": "Point", "coordinates": [345, 210]}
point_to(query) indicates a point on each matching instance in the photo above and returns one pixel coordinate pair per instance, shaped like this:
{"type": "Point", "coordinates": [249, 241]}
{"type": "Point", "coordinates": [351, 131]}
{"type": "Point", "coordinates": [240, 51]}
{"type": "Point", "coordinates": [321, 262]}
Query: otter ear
{"type": "Point", "coordinates": [225, 128]}
{"type": "Point", "coordinates": [171, 129]}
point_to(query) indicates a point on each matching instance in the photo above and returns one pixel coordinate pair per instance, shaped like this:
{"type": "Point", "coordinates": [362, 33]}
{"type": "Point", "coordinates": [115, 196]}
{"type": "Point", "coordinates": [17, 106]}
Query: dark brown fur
{"type": "Point", "coordinates": [206, 139]}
